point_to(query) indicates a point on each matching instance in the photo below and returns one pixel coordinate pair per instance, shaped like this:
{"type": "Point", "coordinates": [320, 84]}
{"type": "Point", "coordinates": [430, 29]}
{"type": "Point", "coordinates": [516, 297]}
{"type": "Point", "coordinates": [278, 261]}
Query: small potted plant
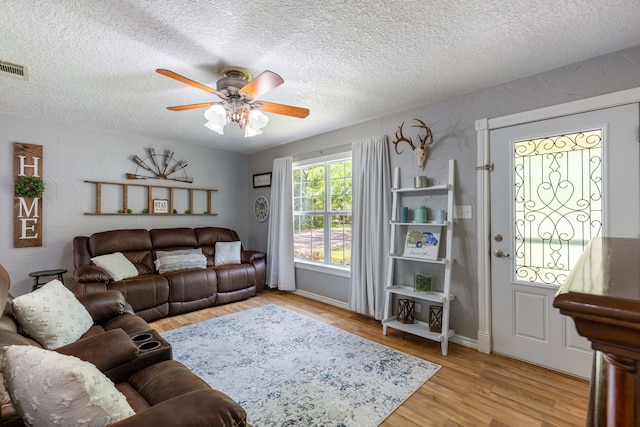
{"type": "Point", "coordinates": [29, 186]}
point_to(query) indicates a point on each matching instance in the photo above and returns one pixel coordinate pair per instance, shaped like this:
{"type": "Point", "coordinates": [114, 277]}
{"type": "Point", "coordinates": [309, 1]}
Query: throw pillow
{"type": "Point", "coordinates": [49, 388]}
{"type": "Point", "coordinates": [117, 265]}
{"type": "Point", "coordinates": [162, 254]}
{"type": "Point", "coordinates": [183, 259]}
{"type": "Point", "coordinates": [227, 253]}
{"type": "Point", "coordinates": [52, 315]}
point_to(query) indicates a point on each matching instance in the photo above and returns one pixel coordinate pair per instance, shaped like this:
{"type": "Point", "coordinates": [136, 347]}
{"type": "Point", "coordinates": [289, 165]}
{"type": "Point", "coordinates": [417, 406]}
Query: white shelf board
{"type": "Point", "coordinates": [428, 224]}
{"type": "Point", "coordinates": [432, 261]}
{"type": "Point", "coordinates": [417, 328]}
{"type": "Point", "coordinates": [421, 189]}
{"type": "Point", "coordinates": [410, 292]}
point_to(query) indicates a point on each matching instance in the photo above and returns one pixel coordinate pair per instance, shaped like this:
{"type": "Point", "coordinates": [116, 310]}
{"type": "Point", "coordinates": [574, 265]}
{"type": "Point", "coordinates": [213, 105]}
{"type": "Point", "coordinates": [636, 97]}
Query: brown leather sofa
{"type": "Point", "coordinates": [153, 295]}
{"type": "Point", "coordinates": [161, 391]}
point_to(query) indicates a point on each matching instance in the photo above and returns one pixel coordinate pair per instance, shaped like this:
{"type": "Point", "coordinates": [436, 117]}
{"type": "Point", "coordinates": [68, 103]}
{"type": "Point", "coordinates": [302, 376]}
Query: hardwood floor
{"type": "Point", "coordinates": [471, 389]}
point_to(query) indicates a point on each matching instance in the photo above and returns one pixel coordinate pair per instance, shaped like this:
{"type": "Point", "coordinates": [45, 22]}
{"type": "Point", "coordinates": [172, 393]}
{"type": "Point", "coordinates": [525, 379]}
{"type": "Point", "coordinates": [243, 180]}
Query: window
{"type": "Point", "coordinates": [558, 203]}
{"type": "Point", "coordinates": [322, 211]}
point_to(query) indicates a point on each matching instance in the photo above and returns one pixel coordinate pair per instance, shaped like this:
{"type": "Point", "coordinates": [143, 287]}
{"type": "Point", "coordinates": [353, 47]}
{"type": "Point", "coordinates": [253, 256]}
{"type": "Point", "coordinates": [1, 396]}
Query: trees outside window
{"type": "Point", "coordinates": [322, 212]}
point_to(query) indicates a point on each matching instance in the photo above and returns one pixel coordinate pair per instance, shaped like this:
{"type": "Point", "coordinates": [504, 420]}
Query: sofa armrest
{"type": "Point", "coordinates": [250, 256]}
{"type": "Point", "coordinates": [104, 305]}
{"type": "Point", "coordinates": [206, 407]}
{"type": "Point", "coordinates": [259, 262]}
{"type": "Point", "coordinates": [91, 273]}
{"type": "Point", "coordinates": [106, 350]}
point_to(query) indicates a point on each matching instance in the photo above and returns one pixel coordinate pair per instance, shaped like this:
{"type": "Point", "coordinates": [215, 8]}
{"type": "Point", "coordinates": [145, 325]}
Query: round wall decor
{"type": "Point", "coordinates": [261, 208]}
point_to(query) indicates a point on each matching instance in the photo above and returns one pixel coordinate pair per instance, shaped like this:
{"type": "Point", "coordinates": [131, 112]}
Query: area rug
{"type": "Point", "coordinates": [286, 369]}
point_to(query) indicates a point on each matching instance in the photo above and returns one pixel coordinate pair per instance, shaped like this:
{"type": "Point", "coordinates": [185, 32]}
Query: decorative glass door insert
{"type": "Point", "coordinates": [557, 203]}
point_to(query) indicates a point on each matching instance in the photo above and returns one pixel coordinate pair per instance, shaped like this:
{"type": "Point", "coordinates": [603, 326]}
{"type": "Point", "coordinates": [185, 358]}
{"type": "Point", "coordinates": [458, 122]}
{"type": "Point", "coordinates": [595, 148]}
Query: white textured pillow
{"type": "Point", "coordinates": [117, 265]}
{"type": "Point", "coordinates": [49, 388]}
{"type": "Point", "coordinates": [227, 253]}
{"type": "Point", "coordinates": [52, 315]}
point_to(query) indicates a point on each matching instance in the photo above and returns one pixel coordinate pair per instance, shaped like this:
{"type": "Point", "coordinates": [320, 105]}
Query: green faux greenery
{"type": "Point", "coordinates": [29, 186]}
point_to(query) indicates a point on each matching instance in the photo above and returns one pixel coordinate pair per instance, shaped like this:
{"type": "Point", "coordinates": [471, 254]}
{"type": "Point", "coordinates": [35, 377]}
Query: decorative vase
{"type": "Point", "coordinates": [404, 214]}
{"type": "Point", "coordinates": [421, 214]}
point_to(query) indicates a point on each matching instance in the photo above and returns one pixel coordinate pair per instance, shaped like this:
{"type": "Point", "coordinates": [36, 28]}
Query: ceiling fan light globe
{"type": "Point", "coordinates": [216, 118]}
{"type": "Point", "coordinates": [257, 119]}
{"type": "Point", "coordinates": [215, 127]}
{"type": "Point", "coordinates": [249, 131]}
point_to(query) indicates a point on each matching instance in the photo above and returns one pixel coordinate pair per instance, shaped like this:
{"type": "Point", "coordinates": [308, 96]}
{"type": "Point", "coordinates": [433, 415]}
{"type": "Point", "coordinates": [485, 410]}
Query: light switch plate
{"type": "Point", "coordinates": [462, 212]}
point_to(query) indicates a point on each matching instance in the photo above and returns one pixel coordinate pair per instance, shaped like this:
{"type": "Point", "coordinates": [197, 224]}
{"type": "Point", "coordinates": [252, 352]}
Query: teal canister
{"type": "Point", "coordinates": [421, 214]}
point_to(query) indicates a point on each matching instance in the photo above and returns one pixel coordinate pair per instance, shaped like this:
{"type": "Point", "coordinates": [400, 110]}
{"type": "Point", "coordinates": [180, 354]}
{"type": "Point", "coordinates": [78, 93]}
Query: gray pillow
{"type": "Point", "coordinates": [183, 259]}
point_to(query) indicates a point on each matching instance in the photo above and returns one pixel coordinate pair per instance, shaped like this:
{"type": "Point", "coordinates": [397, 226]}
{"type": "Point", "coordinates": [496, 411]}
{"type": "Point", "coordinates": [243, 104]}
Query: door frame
{"type": "Point", "coordinates": [483, 217]}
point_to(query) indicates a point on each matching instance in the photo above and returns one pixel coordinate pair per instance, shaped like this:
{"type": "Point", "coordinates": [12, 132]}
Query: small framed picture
{"type": "Point", "coordinates": [262, 180]}
{"type": "Point", "coordinates": [424, 283]}
{"type": "Point", "coordinates": [160, 206]}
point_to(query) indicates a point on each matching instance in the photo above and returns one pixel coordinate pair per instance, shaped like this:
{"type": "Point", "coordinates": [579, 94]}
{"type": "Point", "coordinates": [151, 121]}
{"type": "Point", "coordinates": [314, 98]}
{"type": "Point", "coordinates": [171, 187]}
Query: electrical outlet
{"type": "Point", "coordinates": [462, 212]}
{"type": "Point", "coordinates": [418, 308]}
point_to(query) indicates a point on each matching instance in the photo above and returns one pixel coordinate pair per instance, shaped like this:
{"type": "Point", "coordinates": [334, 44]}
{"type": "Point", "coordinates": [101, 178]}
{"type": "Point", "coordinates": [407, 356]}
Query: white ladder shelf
{"type": "Point", "coordinates": [443, 297]}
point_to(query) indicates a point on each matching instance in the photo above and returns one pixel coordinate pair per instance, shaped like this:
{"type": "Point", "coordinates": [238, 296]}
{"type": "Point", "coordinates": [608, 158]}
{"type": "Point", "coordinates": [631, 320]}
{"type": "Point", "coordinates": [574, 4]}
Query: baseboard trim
{"type": "Point", "coordinates": [458, 339]}
{"type": "Point", "coordinates": [330, 301]}
{"type": "Point", "coordinates": [464, 341]}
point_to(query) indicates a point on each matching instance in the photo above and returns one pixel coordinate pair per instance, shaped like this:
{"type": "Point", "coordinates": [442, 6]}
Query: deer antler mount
{"type": "Point", "coordinates": [420, 150]}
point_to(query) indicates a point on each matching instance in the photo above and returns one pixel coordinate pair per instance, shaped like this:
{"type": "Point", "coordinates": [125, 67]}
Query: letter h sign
{"type": "Point", "coordinates": [27, 212]}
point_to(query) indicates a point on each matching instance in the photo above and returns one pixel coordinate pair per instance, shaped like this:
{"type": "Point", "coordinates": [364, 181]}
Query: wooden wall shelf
{"type": "Point", "coordinates": [191, 191]}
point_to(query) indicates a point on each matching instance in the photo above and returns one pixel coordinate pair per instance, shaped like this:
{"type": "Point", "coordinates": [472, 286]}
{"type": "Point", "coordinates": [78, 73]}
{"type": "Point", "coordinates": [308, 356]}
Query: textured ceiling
{"type": "Point", "coordinates": [92, 62]}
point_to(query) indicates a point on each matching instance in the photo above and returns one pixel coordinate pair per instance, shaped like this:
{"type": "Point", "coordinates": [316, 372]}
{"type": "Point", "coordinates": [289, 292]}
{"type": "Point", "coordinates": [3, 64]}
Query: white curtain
{"type": "Point", "coordinates": [280, 269]}
{"type": "Point", "coordinates": [371, 207]}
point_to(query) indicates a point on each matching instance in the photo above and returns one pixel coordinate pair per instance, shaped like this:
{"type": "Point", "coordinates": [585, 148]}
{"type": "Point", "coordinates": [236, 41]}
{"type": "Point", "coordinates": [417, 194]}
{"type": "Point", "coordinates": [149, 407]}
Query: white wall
{"type": "Point", "coordinates": [72, 155]}
{"type": "Point", "coordinates": [453, 126]}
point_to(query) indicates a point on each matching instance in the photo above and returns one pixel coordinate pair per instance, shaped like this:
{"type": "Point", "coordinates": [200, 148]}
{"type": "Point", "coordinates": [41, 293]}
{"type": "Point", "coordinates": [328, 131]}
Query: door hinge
{"type": "Point", "coordinates": [487, 167]}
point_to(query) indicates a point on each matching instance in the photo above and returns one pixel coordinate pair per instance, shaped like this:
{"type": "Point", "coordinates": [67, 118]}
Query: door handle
{"type": "Point", "coordinates": [500, 254]}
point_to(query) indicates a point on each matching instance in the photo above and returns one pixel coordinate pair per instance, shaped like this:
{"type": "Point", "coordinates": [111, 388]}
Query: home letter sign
{"type": "Point", "coordinates": [27, 211]}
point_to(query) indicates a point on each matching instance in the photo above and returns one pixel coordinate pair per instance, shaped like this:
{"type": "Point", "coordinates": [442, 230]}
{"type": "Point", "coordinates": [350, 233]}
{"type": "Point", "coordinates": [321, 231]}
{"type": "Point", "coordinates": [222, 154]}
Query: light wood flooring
{"type": "Point", "coordinates": [471, 389]}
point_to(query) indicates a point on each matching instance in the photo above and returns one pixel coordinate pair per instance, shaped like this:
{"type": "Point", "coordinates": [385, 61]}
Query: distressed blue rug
{"type": "Point", "coordinates": [286, 369]}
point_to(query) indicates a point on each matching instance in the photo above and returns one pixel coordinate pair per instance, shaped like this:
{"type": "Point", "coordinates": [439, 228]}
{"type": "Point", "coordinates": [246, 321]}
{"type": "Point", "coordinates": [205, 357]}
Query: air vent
{"type": "Point", "coordinates": [13, 70]}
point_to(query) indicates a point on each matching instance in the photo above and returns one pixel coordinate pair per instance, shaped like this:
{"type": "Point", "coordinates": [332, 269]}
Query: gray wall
{"type": "Point", "coordinates": [72, 155]}
{"type": "Point", "coordinates": [453, 126]}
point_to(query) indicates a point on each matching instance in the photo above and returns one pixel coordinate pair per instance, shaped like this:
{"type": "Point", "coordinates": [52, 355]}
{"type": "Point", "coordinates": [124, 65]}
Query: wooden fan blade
{"type": "Point", "coordinates": [262, 84]}
{"type": "Point", "coordinates": [287, 110]}
{"type": "Point", "coordinates": [190, 82]}
{"type": "Point", "coordinates": [191, 106]}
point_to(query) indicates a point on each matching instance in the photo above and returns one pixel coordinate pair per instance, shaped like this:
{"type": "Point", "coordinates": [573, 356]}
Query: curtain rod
{"type": "Point", "coordinates": [326, 151]}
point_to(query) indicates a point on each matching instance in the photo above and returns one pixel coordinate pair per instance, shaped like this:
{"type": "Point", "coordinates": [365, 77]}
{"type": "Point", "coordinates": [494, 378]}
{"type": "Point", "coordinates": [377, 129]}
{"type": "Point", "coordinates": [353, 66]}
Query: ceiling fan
{"type": "Point", "coordinates": [239, 104]}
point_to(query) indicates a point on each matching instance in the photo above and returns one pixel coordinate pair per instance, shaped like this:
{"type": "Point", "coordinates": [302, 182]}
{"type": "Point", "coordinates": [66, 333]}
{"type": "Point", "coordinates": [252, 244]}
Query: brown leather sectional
{"type": "Point", "coordinates": [153, 295]}
{"type": "Point", "coordinates": [161, 391]}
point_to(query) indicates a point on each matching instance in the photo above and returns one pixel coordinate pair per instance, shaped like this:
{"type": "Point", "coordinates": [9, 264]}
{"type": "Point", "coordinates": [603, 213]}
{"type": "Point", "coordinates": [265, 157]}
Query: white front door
{"type": "Point", "coordinates": [556, 184]}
